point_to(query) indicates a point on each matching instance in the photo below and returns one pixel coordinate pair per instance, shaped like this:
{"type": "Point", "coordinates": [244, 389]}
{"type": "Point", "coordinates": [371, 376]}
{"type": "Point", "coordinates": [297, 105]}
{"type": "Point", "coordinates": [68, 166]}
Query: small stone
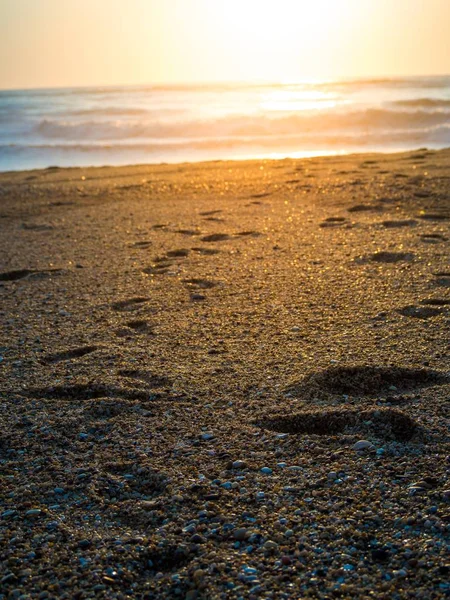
{"type": "Point", "coordinates": [270, 545]}
{"type": "Point", "coordinates": [207, 436]}
{"type": "Point", "coordinates": [33, 513]}
{"type": "Point", "coordinates": [197, 539]}
{"type": "Point", "coordinates": [332, 475]}
{"type": "Point", "coordinates": [238, 464]}
{"type": "Point", "coordinates": [363, 445]}
{"type": "Point", "coordinates": [380, 555]}
{"type": "Point", "coordinates": [84, 543]}
{"type": "Point", "coordinates": [266, 471]}
{"type": "Point", "coordinates": [241, 534]}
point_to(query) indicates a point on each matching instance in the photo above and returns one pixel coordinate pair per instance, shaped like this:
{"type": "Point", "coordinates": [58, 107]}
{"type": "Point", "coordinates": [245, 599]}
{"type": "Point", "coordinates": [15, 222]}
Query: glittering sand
{"type": "Point", "coordinates": [226, 380]}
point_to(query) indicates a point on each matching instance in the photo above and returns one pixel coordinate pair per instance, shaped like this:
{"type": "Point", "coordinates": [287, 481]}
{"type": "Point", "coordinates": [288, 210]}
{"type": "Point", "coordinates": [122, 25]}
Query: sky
{"type": "Point", "coordinates": [53, 43]}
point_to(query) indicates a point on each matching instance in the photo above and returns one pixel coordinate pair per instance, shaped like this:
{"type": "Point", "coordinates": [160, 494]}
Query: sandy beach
{"type": "Point", "coordinates": [226, 379]}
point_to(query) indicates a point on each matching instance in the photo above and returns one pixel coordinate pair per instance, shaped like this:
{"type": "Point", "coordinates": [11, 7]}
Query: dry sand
{"type": "Point", "coordinates": [190, 354]}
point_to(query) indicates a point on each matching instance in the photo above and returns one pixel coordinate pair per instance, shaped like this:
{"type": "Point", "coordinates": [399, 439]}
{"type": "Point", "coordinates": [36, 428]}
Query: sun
{"type": "Point", "coordinates": [275, 37]}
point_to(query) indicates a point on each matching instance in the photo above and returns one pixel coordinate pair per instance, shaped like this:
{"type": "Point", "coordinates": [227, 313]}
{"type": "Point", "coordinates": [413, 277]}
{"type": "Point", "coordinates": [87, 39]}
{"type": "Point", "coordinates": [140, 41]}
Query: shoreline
{"type": "Point", "coordinates": [300, 155]}
{"type": "Point", "coordinates": [227, 379]}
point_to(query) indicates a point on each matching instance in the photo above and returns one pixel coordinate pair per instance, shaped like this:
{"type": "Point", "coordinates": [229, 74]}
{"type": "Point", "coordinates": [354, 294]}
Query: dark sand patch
{"type": "Point", "coordinates": [141, 326]}
{"type": "Point", "coordinates": [69, 354]}
{"type": "Point", "coordinates": [399, 223]}
{"type": "Point", "coordinates": [15, 275]}
{"type": "Point", "coordinates": [86, 391]}
{"type": "Point", "coordinates": [215, 237]}
{"type": "Point", "coordinates": [385, 423]}
{"type": "Point", "coordinates": [362, 380]}
{"type": "Point", "coordinates": [178, 253]}
{"type": "Point", "coordinates": [151, 379]}
{"type": "Point", "coordinates": [130, 304]}
{"type": "Point", "coordinates": [387, 257]}
{"type": "Point", "coordinates": [204, 284]}
{"type": "Point", "coordinates": [419, 312]}
{"type": "Point", "coordinates": [205, 251]}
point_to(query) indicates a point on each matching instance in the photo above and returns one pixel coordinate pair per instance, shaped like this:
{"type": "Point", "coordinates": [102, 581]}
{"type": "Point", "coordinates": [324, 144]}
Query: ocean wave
{"type": "Point", "coordinates": [243, 125]}
{"type": "Point", "coordinates": [424, 102]}
{"type": "Point", "coordinates": [436, 135]}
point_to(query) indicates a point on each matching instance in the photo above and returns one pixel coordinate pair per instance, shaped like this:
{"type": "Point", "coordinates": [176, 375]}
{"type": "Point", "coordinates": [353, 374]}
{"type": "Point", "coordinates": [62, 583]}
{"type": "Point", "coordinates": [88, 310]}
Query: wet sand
{"type": "Point", "coordinates": [226, 380]}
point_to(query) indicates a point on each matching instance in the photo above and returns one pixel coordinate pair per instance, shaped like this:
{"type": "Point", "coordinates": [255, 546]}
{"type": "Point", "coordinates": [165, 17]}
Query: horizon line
{"type": "Point", "coordinates": [224, 82]}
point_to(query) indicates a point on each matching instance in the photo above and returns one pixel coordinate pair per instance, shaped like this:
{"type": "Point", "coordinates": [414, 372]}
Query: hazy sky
{"type": "Point", "coordinates": [47, 43]}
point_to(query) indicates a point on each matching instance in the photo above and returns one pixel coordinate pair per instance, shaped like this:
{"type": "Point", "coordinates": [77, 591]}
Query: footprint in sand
{"type": "Point", "coordinates": [436, 302]}
{"type": "Point", "coordinates": [27, 274]}
{"type": "Point", "coordinates": [140, 326]}
{"type": "Point", "coordinates": [385, 423]}
{"type": "Point", "coordinates": [215, 237]}
{"type": "Point", "coordinates": [261, 195]}
{"type": "Point", "coordinates": [434, 216]}
{"type": "Point", "coordinates": [419, 312]}
{"type": "Point", "coordinates": [179, 253]}
{"type": "Point", "coordinates": [365, 208]}
{"type": "Point", "coordinates": [386, 257]}
{"type": "Point", "coordinates": [208, 213]}
{"type": "Point", "coordinates": [87, 391]}
{"type": "Point", "coordinates": [333, 222]}
{"type": "Point", "coordinates": [130, 303]}
{"type": "Point", "coordinates": [203, 284]}
{"type": "Point", "coordinates": [69, 354]}
{"type": "Point", "coordinates": [150, 379]}
{"type": "Point", "coordinates": [248, 234]}
{"type": "Point", "coordinates": [442, 278]}
{"type": "Point", "coordinates": [364, 380]}
{"type": "Point", "coordinates": [15, 275]}
{"type": "Point", "coordinates": [433, 238]}
{"type": "Point", "coordinates": [399, 223]}
{"type": "Point", "coordinates": [141, 245]}
{"type": "Point", "coordinates": [206, 251]}
{"type": "Point", "coordinates": [189, 232]}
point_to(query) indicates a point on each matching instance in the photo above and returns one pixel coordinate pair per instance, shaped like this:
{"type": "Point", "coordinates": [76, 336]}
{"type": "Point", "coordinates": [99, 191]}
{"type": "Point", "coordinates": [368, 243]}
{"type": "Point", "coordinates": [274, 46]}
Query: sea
{"type": "Point", "coordinates": [184, 123]}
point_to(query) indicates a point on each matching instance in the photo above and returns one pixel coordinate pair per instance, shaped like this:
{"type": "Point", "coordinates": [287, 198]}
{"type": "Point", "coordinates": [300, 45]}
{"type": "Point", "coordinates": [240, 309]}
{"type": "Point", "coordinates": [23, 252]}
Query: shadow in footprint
{"type": "Point", "coordinates": [179, 253]}
{"type": "Point", "coordinates": [215, 237]}
{"type": "Point", "coordinates": [68, 354]}
{"type": "Point", "coordinates": [436, 302]}
{"type": "Point", "coordinates": [434, 217]}
{"type": "Point", "coordinates": [159, 267]}
{"type": "Point", "coordinates": [141, 245]}
{"type": "Point", "coordinates": [152, 380]}
{"type": "Point", "coordinates": [208, 213]}
{"type": "Point", "coordinates": [333, 222]}
{"type": "Point", "coordinates": [433, 238]}
{"type": "Point", "coordinates": [15, 275]}
{"type": "Point", "coordinates": [249, 234]}
{"type": "Point", "coordinates": [364, 380]}
{"type": "Point", "coordinates": [130, 304]}
{"type": "Point", "coordinates": [262, 195]}
{"type": "Point", "coordinates": [419, 312]}
{"type": "Point", "coordinates": [204, 284]}
{"type": "Point", "coordinates": [190, 232]}
{"type": "Point", "coordinates": [206, 251]}
{"type": "Point", "coordinates": [365, 208]}
{"type": "Point", "coordinates": [140, 326]}
{"type": "Point", "coordinates": [442, 278]}
{"type": "Point", "coordinates": [385, 423]}
{"type": "Point", "coordinates": [386, 257]}
{"type": "Point", "coordinates": [86, 391]}
{"type": "Point", "coordinates": [399, 223]}
{"type": "Point", "coordinates": [28, 273]}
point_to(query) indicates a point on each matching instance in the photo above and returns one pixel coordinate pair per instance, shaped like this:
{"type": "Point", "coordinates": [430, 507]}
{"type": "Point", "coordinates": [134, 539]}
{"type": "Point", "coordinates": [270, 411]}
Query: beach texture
{"type": "Point", "coordinates": [226, 380]}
